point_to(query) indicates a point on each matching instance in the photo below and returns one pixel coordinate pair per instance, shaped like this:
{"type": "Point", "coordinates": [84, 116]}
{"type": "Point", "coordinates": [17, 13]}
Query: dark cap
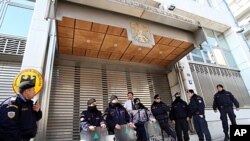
{"type": "Point", "coordinates": [113, 97]}
{"type": "Point", "coordinates": [137, 100]}
{"type": "Point", "coordinates": [219, 85]}
{"type": "Point", "coordinates": [90, 101]}
{"type": "Point", "coordinates": [25, 85]}
{"type": "Point", "coordinates": [156, 96]}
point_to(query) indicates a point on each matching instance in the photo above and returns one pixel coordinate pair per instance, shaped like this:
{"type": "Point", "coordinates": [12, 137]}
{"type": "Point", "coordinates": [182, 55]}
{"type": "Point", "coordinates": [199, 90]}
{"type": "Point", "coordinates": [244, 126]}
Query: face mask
{"type": "Point", "coordinates": [178, 97]}
{"type": "Point", "coordinates": [158, 100]}
{"type": "Point", "coordinates": [137, 106]}
{"type": "Point", "coordinates": [92, 108]}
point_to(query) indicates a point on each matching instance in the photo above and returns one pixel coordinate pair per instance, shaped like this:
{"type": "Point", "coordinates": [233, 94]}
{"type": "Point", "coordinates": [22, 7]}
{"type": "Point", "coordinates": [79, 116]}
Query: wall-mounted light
{"type": "Point", "coordinates": [171, 7]}
{"type": "Point", "coordinates": [239, 29]}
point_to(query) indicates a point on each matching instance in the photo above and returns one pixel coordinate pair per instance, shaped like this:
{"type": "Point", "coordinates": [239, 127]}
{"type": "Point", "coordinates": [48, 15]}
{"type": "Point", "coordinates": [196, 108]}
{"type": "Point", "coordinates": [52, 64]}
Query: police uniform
{"type": "Point", "coordinates": [179, 113]}
{"type": "Point", "coordinates": [90, 117]}
{"type": "Point", "coordinates": [19, 121]}
{"type": "Point", "coordinates": [115, 114]}
{"type": "Point", "coordinates": [223, 101]}
{"type": "Point", "coordinates": [139, 116]}
{"type": "Point", "coordinates": [196, 110]}
{"type": "Point", "coordinates": [159, 111]}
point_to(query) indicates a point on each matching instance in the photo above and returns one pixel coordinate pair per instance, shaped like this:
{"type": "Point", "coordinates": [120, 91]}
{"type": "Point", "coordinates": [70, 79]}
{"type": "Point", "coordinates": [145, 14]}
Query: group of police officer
{"type": "Point", "coordinates": [135, 114]}
{"type": "Point", "coordinates": [18, 115]}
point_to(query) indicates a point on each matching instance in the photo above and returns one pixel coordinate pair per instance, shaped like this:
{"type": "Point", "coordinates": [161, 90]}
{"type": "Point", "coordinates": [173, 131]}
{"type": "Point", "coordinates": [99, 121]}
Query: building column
{"type": "Point", "coordinates": [185, 74]}
{"type": "Point", "coordinates": [39, 55]}
{"type": "Point", "coordinates": [35, 50]}
{"type": "Point", "coordinates": [241, 54]}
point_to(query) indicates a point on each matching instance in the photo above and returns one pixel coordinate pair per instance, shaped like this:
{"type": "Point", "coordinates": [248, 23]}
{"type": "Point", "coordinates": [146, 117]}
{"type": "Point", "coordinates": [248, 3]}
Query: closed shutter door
{"type": "Point", "coordinates": [73, 86]}
{"type": "Point", "coordinates": [117, 85]}
{"type": "Point", "coordinates": [161, 87]}
{"type": "Point", "coordinates": [141, 89]}
{"type": "Point", "coordinates": [8, 71]}
{"type": "Point", "coordinates": [206, 78]}
{"type": "Point", "coordinates": [61, 107]}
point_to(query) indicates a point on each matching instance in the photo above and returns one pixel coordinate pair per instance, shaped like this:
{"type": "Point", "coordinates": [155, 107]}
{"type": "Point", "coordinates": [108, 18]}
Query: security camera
{"type": "Point", "coordinates": [239, 29]}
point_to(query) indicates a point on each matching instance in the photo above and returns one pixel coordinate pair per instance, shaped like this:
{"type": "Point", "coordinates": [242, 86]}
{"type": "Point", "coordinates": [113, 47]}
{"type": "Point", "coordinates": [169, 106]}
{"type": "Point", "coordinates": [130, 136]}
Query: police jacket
{"type": "Point", "coordinates": [20, 118]}
{"type": "Point", "coordinates": [179, 110]}
{"type": "Point", "coordinates": [91, 117]}
{"type": "Point", "coordinates": [196, 106]}
{"type": "Point", "coordinates": [141, 115]}
{"type": "Point", "coordinates": [224, 99]}
{"type": "Point", "coordinates": [160, 110]}
{"type": "Point", "coordinates": [116, 114]}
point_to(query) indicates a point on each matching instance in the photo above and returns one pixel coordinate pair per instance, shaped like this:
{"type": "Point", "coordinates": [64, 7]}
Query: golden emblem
{"type": "Point", "coordinates": [140, 32]}
{"type": "Point", "coordinates": [28, 75]}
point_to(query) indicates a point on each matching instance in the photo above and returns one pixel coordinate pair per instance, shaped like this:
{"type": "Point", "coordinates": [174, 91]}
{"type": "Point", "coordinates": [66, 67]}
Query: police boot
{"type": "Point", "coordinates": [226, 137]}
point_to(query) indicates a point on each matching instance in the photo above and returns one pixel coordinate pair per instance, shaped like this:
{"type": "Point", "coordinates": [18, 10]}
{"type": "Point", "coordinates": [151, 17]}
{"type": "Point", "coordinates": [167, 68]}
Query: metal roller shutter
{"type": "Point", "coordinates": [117, 85]}
{"type": "Point", "coordinates": [61, 108]}
{"type": "Point", "coordinates": [207, 77]}
{"type": "Point", "coordinates": [161, 87]}
{"type": "Point", "coordinates": [73, 86]}
{"type": "Point", "coordinates": [8, 71]}
{"type": "Point", "coordinates": [140, 88]}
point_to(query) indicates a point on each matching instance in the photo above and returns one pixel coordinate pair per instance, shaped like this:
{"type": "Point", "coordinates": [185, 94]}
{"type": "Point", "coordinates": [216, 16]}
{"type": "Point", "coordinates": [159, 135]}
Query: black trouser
{"type": "Point", "coordinates": [166, 127]}
{"type": "Point", "coordinates": [141, 133]}
{"type": "Point", "coordinates": [201, 127]}
{"type": "Point", "coordinates": [181, 125]}
{"type": "Point", "coordinates": [223, 116]}
{"type": "Point", "coordinates": [9, 137]}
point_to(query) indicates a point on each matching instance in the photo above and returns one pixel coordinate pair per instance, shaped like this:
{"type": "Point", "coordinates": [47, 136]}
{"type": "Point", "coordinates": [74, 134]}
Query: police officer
{"type": "Point", "coordinates": [179, 115]}
{"type": "Point", "coordinates": [139, 116]}
{"type": "Point", "coordinates": [160, 111]}
{"type": "Point", "coordinates": [116, 115]}
{"type": "Point", "coordinates": [223, 101]}
{"type": "Point", "coordinates": [91, 118]}
{"type": "Point", "coordinates": [196, 109]}
{"type": "Point", "coordinates": [19, 121]}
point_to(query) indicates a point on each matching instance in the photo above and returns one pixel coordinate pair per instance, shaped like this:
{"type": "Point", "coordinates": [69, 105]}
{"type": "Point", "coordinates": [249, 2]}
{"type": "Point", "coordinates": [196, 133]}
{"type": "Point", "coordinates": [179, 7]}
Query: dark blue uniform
{"type": "Point", "coordinates": [116, 114]}
{"type": "Point", "coordinates": [20, 121]}
{"type": "Point", "coordinates": [179, 113]}
{"type": "Point", "coordinates": [223, 101]}
{"type": "Point", "coordinates": [91, 117]}
{"type": "Point", "coordinates": [196, 109]}
{"type": "Point", "coordinates": [160, 111]}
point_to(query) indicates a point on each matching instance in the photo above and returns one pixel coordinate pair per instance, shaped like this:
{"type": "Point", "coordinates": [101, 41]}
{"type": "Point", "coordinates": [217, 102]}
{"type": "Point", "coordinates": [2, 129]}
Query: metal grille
{"type": "Point", "coordinates": [8, 71]}
{"type": "Point", "coordinates": [73, 86]}
{"type": "Point", "coordinates": [207, 77]}
{"type": "Point", "coordinates": [60, 119]}
{"type": "Point", "coordinates": [12, 45]}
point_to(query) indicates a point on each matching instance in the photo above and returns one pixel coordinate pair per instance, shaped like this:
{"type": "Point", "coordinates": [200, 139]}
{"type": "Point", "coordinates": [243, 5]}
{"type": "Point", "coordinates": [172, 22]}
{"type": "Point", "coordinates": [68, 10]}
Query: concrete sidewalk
{"type": "Point", "coordinates": [194, 137]}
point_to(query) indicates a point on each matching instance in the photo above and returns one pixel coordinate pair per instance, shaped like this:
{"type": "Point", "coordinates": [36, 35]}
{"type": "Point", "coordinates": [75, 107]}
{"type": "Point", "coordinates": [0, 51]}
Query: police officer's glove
{"type": "Point", "coordinates": [92, 128]}
{"type": "Point", "coordinates": [103, 126]}
{"type": "Point", "coordinates": [153, 120]}
{"type": "Point", "coordinates": [216, 111]}
{"type": "Point", "coordinates": [118, 127]}
{"type": "Point", "coordinates": [237, 109]}
{"type": "Point", "coordinates": [131, 125]}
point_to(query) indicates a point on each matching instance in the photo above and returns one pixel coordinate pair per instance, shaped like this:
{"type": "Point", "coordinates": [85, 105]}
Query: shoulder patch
{"type": "Point", "coordinates": [200, 101]}
{"type": "Point", "coordinates": [11, 114]}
